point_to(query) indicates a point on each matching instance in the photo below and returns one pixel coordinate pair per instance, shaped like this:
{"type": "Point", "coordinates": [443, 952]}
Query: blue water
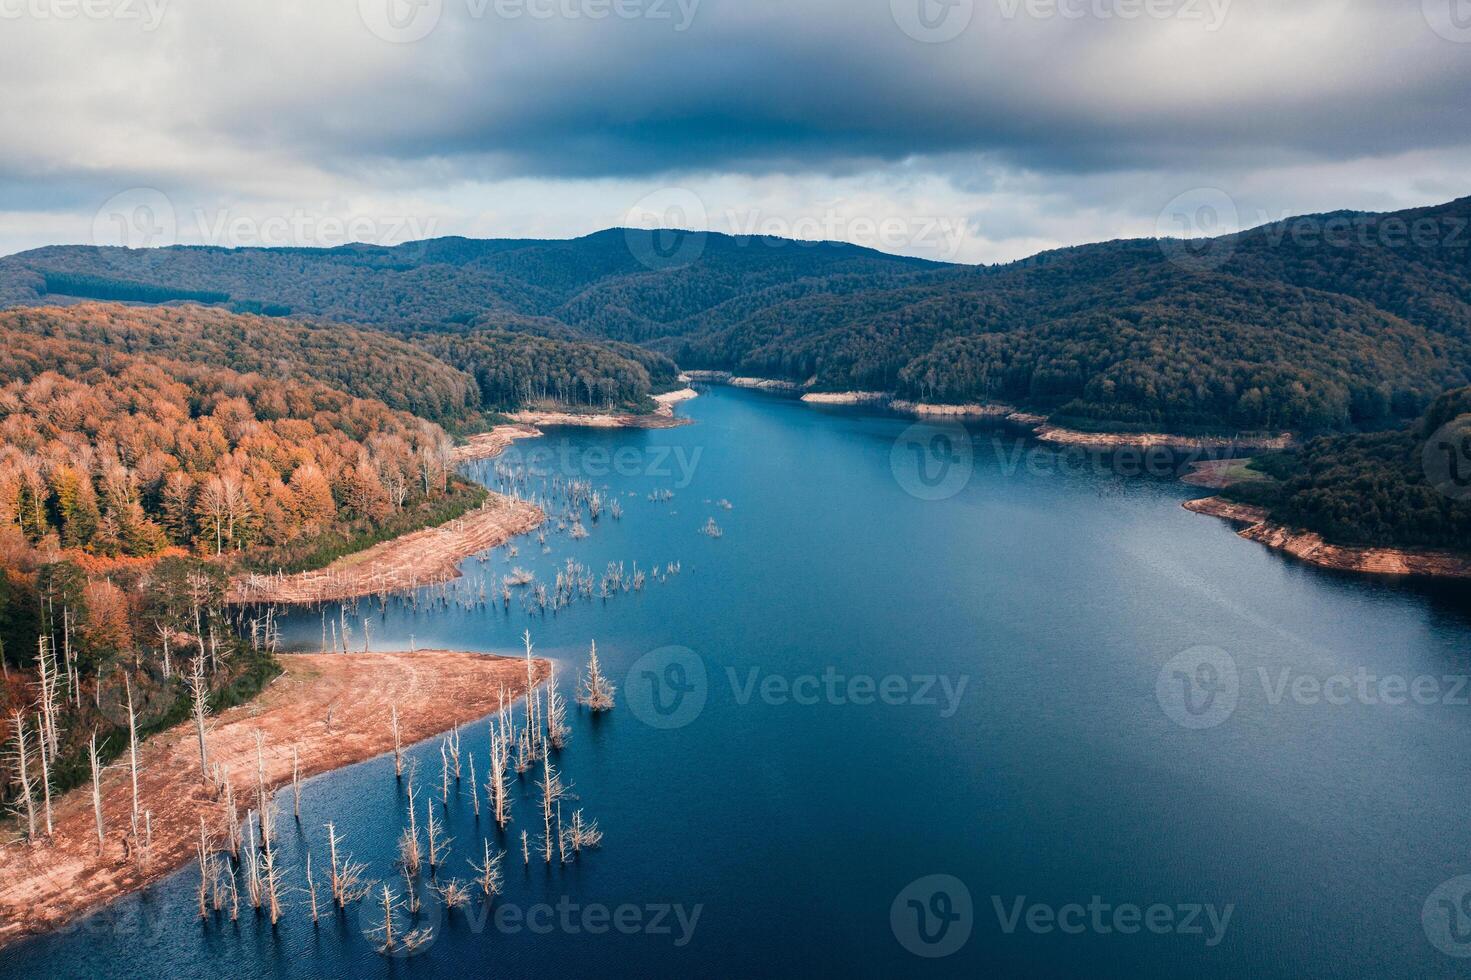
{"type": "Point", "coordinates": [790, 823]}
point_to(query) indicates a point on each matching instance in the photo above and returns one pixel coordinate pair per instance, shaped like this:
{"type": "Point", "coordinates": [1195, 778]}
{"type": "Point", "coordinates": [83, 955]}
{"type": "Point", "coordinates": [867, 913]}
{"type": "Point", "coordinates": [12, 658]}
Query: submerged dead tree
{"type": "Point", "coordinates": [409, 854]}
{"type": "Point", "coordinates": [556, 714]}
{"type": "Point", "coordinates": [489, 872]}
{"type": "Point", "coordinates": [551, 794]}
{"type": "Point", "coordinates": [398, 750]}
{"type": "Point", "coordinates": [596, 692]}
{"type": "Point", "coordinates": [347, 875]}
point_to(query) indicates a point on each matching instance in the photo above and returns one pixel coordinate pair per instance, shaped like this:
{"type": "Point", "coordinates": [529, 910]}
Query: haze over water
{"type": "Point", "coordinates": [1027, 744]}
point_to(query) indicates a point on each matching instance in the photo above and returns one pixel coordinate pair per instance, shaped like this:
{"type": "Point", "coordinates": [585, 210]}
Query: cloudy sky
{"type": "Point", "coordinates": [972, 130]}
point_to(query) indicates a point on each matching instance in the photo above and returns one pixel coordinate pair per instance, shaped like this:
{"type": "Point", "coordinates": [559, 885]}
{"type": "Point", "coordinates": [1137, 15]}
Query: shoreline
{"type": "Point", "coordinates": [486, 445]}
{"type": "Point", "coordinates": [1307, 546]}
{"type": "Point", "coordinates": [1040, 427]}
{"type": "Point", "coordinates": [332, 708]}
{"type": "Point", "coordinates": [662, 417]}
{"type": "Point", "coordinates": [428, 556]}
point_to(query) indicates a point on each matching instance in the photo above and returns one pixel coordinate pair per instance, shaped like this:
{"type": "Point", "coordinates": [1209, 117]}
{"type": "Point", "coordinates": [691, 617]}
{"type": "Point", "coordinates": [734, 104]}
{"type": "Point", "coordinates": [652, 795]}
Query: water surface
{"type": "Point", "coordinates": [1030, 614]}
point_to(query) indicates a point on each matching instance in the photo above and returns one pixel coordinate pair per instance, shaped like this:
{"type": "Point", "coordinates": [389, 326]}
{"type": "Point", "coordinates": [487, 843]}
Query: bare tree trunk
{"type": "Point", "coordinates": [296, 781]}
{"type": "Point", "coordinates": [398, 752]}
{"type": "Point", "coordinates": [491, 877]}
{"type": "Point", "coordinates": [204, 870]}
{"type": "Point", "coordinates": [21, 752]}
{"type": "Point", "coordinates": [387, 918]}
{"type": "Point", "coordinates": [263, 796]}
{"type": "Point", "coordinates": [133, 752]}
{"type": "Point", "coordinates": [273, 888]}
{"type": "Point", "coordinates": [45, 782]}
{"type": "Point", "coordinates": [97, 791]}
{"type": "Point", "coordinates": [474, 789]}
{"type": "Point", "coordinates": [199, 696]}
{"type": "Point", "coordinates": [311, 887]}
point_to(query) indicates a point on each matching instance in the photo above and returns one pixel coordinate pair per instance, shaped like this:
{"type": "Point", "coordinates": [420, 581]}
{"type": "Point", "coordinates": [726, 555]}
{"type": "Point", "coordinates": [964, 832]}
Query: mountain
{"type": "Point", "coordinates": [1321, 323]}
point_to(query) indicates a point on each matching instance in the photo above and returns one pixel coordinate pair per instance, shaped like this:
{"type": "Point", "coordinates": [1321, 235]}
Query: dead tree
{"type": "Point", "coordinates": [491, 876]}
{"type": "Point", "coordinates": [409, 854]}
{"type": "Point", "coordinates": [556, 714]}
{"type": "Point", "coordinates": [387, 927]}
{"type": "Point", "coordinates": [206, 871]}
{"type": "Point", "coordinates": [453, 894]}
{"type": "Point", "coordinates": [296, 782]}
{"type": "Point", "coordinates": [311, 887]}
{"type": "Point", "coordinates": [496, 786]}
{"type": "Point", "coordinates": [408, 941]}
{"type": "Point", "coordinates": [45, 780]}
{"type": "Point", "coordinates": [551, 793]}
{"type": "Point", "coordinates": [474, 788]}
{"type": "Point", "coordinates": [96, 790]}
{"type": "Point", "coordinates": [596, 692]}
{"type": "Point", "coordinates": [438, 844]}
{"type": "Point", "coordinates": [28, 796]}
{"type": "Point", "coordinates": [199, 702]}
{"type": "Point", "coordinates": [253, 883]}
{"type": "Point", "coordinates": [347, 875]}
{"type": "Point", "coordinates": [265, 800]}
{"type": "Point", "coordinates": [133, 751]}
{"type": "Point", "coordinates": [398, 752]}
{"type": "Point", "coordinates": [453, 743]}
{"type": "Point", "coordinates": [583, 833]}
{"type": "Point", "coordinates": [46, 701]}
{"type": "Point", "coordinates": [273, 881]}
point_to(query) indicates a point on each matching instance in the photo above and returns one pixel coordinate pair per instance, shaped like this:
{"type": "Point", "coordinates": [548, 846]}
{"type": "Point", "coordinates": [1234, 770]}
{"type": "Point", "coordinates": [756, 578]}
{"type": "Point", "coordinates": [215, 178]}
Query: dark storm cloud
{"type": "Point", "coordinates": [840, 87]}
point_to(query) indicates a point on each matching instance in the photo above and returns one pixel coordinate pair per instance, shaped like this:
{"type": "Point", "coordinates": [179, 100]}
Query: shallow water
{"type": "Point", "coordinates": [1019, 641]}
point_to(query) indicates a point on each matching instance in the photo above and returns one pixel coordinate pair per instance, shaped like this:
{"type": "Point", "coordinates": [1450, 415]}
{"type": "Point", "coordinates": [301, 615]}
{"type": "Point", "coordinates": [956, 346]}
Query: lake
{"type": "Point", "coordinates": [929, 705]}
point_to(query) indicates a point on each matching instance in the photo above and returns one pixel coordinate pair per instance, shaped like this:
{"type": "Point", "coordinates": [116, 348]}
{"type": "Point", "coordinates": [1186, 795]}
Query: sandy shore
{"type": "Point", "coordinates": [1310, 547]}
{"type": "Point", "coordinates": [332, 708]}
{"type": "Point", "coordinates": [486, 445]}
{"type": "Point", "coordinates": [1114, 441]}
{"type": "Point", "coordinates": [422, 558]}
{"type": "Point", "coordinates": [662, 417]}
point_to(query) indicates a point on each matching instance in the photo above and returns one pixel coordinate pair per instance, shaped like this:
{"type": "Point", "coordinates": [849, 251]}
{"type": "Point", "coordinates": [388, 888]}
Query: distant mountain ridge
{"type": "Point", "coordinates": [1331, 322]}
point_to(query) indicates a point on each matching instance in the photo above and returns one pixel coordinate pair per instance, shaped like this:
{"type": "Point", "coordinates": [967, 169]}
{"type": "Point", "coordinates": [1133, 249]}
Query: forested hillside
{"type": "Point", "coordinates": [1339, 322]}
{"type": "Point", "coordinates": [1409, 487]}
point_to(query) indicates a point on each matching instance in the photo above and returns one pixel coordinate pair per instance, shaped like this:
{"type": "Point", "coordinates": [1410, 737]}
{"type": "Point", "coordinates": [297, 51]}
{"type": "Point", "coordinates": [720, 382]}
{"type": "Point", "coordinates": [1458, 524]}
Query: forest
{"type": "Point", "coordinates": [1403, 488]}
{"type": "Point", "coordinates": [138, 469]}
{"type": "Point", "coordinates": [1321, 323]}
